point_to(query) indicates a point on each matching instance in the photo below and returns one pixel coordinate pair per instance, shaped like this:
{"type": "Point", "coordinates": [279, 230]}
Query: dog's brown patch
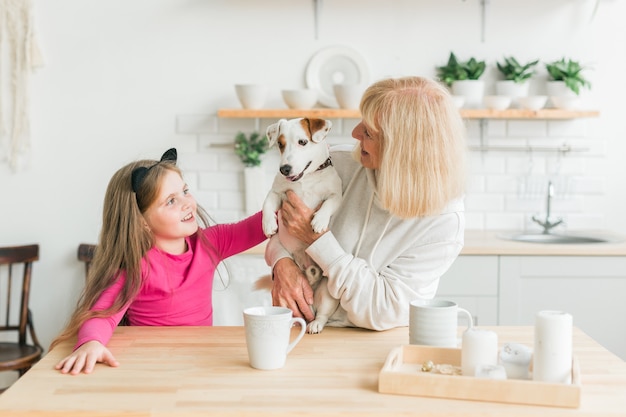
{"type": "Point", "coordinates": [312, 125]}
{"type": "Point", "coordinates": [282, 142]}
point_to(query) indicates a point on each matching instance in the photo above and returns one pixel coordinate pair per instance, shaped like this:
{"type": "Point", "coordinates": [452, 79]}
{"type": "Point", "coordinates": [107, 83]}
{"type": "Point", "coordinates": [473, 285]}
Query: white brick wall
{"type": "Point", "coordinates": [504, 190]}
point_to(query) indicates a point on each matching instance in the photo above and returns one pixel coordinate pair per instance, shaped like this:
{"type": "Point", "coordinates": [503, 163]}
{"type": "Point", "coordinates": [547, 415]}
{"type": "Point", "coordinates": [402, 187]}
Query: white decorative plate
{"type": "Point", "coordinates": [335, 65]}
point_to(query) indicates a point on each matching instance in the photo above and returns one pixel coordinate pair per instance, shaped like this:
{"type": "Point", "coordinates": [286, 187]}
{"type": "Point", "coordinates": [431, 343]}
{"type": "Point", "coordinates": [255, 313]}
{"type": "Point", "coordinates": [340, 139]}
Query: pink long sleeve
{"type": "Point", "coordinates": [177, 289]}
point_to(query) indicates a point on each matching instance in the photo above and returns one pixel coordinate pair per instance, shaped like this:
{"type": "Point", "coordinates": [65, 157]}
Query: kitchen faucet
{"type": "Point", "coordinates": [547, 225]}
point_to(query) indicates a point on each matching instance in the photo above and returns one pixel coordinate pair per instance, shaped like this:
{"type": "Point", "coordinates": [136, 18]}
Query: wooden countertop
{"type": "Point", "coordinates": [478, 242]}
{"type": "Point", "coordinates": [204, 371]}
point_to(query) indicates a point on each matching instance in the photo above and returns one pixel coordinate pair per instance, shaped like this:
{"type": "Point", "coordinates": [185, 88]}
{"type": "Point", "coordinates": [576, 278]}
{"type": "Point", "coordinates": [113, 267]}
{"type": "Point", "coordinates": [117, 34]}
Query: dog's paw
{"type": "Point", "coordinates": [270, 226]}
{"type": "Point", "coordinates": [315, 327]}
{"type": "Point", "coordinates": [320, 222]}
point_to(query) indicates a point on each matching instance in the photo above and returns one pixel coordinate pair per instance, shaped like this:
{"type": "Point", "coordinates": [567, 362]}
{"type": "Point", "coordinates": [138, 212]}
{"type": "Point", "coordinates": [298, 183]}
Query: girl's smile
{"type": "Point", "coordinates": [172, 217]}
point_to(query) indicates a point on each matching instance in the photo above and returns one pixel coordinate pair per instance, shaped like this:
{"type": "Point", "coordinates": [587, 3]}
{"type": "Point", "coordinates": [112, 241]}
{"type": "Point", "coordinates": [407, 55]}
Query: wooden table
{"type": "Point", "coordinates": [202, 371]}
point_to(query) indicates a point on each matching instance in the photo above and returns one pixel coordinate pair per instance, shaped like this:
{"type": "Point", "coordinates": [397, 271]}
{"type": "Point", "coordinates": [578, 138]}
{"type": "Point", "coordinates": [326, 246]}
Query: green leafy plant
{"type": "Point", "coordinates": [250, 148]}
{"type": "Point", "coordinates": [570, 72]}
{"type": "Point", "coordinates": [456, 70]}
{"type": "Point", "coordinates": [514, 71]}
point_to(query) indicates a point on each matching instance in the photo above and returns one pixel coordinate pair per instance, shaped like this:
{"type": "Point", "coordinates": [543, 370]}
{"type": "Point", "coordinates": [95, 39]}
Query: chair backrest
{"type": "Point", "coordinates": [85, 254]}
{"type": "Point", "coordinates": [13, 260]}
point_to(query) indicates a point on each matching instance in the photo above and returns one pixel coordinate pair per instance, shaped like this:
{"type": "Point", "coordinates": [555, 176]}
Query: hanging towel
{"type": "Point", "coordinates": [20, 56]}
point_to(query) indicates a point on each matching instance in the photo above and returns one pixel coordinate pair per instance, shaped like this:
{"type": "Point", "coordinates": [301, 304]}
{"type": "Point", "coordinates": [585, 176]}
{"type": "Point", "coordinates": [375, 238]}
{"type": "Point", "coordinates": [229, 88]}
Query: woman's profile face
{"type": "Point", "coordinates": [370, 145]}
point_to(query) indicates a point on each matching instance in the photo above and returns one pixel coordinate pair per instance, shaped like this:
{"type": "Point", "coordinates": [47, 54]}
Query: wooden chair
{"type": "Point", "coordinates": [85, 254]}
{"type": "Point", "coordinates": [19, 355]}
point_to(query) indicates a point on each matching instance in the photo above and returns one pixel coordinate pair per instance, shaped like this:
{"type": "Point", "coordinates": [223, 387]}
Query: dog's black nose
{"type": "Point", "coordinates": [285, 170]}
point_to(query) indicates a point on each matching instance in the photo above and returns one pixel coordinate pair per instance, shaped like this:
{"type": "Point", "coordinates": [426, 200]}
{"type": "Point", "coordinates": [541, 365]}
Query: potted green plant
{"type": "Point", "coordinates": [249, 149]}
{"type": "Point", "coordinates": [565, 73]}
{"type": "Point", "coordinates": [512, 70]}
{"type": "Point", "coordinates": [516, 77]}
{"type": "Point", "coordinates": [463, 77]}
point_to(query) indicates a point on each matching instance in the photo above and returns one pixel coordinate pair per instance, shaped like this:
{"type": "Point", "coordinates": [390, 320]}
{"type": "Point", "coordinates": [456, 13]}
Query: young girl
{"type": "Point", "coordinates": [154, 263]}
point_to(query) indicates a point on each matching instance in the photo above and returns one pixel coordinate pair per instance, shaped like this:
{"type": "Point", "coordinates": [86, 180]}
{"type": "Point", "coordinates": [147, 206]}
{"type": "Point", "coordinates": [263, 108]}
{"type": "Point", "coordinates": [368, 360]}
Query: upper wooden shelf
{"type": "Point", "coordinates": [355, 114]}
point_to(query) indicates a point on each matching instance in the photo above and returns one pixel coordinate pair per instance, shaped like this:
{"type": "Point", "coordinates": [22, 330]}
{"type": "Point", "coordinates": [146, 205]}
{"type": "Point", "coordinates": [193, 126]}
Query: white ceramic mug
{"type": "Point", "coordinates": [435, 322]}
{"type": "Point", "coordinates": [268, 332]}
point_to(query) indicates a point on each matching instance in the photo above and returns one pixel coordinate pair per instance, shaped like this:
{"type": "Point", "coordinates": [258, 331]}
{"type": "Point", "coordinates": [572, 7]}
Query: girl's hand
{"type": "Point", "coordinates": [85, 357]}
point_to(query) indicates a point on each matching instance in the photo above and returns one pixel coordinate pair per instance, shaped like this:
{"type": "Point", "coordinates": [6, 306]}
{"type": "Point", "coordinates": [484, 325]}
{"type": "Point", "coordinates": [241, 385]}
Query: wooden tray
{"type": "Point", "coordinates": [402, 374]}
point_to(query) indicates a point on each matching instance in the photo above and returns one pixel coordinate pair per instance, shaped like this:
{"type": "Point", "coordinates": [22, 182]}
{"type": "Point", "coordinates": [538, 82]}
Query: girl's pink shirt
{"type": "Point", "coordinates": [177, 290]}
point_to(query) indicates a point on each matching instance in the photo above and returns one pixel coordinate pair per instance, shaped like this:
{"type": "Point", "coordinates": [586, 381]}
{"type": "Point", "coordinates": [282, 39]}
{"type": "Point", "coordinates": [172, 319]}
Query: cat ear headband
{"type": "Point", "coordinates": [138, 174]}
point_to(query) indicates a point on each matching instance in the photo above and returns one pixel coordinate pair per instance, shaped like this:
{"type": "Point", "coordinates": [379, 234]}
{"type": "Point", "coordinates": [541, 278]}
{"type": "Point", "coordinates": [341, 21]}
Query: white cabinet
{"type": "Point", "coordinates": [234, 288]}
{"type": "Point", "coordinates": [591, 288]}
{"type": "Point", "coordinates": [472, 283]}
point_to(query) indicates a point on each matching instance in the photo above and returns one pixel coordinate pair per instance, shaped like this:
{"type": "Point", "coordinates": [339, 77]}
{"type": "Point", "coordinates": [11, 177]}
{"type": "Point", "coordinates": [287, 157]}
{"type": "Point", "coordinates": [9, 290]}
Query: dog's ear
{"type": "Point", "coordinates": [273, 131]}
{"type": "Point", "coordinates": [318, 128]}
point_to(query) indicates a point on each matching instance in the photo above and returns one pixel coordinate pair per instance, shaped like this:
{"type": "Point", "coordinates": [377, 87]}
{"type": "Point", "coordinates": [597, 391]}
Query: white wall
{"type": "Point", "coordinates": [128, 79]}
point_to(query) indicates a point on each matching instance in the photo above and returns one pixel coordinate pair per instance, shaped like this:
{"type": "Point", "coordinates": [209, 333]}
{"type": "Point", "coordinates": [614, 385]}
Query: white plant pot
{"type": "Point", "coordinates": [472, 90]}
{"type": "Point", "coordinates": [254, 188]}
{"type": "Point", "coordinates": [559, 89]}
{"type": "Point", "coordinates": [512, 89]}
{"type": "Point", "coordinates": [561, 96]}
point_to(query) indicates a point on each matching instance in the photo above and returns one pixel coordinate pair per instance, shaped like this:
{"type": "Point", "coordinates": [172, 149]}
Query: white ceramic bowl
{"type": "Point", "coordinates": [348, 95]}
{"type": "Point", "coordinates": [251, 96]}
{"type": "Point", "coordinates": [566, 103]}
{"type": "Point", "coordinates": [532, 102]}
{"type": "Point", "coordinates": [497, 102]}
{"type": "Point", "coordinates": [300, 99]}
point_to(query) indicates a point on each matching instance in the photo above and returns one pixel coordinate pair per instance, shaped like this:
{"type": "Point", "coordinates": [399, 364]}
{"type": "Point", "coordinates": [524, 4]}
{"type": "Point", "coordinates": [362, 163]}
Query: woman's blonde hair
{"type": "Point", "coordinates": [422, 145]}
{"type": "Point", "coordinates": [124, 241]}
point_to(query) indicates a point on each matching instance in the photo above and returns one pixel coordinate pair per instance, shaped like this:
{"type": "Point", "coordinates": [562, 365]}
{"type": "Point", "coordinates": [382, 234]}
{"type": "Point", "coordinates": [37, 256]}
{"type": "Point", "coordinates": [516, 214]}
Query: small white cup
{"type": "Point", "coordinates": [435, 322]}
{"type": "Point", "coordinates": [348, 95]}
{"type": "Point", "coordinates": [251, 96]}
{"type": "Point", "coordinates": [268, 331]}
{"type": "Point", "coordinates": [479, 348]}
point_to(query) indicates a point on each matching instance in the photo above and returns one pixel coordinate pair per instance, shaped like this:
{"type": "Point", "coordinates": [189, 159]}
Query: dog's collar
{"type": "Point", "coordinates": [326, 164]}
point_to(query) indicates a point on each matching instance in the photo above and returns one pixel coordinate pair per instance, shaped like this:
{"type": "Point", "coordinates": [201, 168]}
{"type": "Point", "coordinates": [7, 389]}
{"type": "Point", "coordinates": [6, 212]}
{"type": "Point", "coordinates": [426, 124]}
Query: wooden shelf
{"type": "Point", "coordinates": [355, 114]}
{"type": "Point", "coordinates": [289, 113]}
{"type": "Point", "coordinates": [527, 114]}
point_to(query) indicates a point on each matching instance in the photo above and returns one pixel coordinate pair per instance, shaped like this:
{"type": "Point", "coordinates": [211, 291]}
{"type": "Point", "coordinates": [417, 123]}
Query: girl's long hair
{"type": "Point", "coordinates": [124, 241]}
{"type": "Point", "coordinates": [422, 149]}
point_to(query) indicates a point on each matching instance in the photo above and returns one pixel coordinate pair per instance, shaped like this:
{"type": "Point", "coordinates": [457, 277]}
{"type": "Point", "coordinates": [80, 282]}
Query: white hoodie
{"type": "Point", "coordinates": [377, 263]}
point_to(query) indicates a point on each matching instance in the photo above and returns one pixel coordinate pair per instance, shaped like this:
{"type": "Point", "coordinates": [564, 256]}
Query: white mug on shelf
{"type": "Point", "coordinates": [435, 322]}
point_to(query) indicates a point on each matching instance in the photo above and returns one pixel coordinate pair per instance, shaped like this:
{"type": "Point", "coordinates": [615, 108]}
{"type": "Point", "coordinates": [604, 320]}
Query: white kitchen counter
{"type": "Point", "coordinates": [478, 242]}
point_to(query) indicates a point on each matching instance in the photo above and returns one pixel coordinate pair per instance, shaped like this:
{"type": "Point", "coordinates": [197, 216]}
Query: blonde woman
{"type": "Point", "coordinates": [401, 223]}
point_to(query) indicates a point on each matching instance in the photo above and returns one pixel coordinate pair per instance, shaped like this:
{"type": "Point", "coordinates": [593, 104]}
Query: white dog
{"type": "Point", "coordinates": [305, 168]}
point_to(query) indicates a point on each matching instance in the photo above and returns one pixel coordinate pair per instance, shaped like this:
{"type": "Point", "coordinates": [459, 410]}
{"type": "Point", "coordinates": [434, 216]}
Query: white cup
{"type": "Point", "coordinates": [251, 96]}
{"type": "Point", "coordinates": [435, 322]}
{"type": "Point", "coordinates": [348, 95]}
{"type": "Point", "coordinates": [479, 348]}
{"type": "Point", "coordinates": [268, 332]}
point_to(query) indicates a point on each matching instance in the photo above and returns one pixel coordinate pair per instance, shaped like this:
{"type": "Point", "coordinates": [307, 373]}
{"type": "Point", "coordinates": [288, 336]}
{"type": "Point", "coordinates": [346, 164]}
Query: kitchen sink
{"type": "Point", "coordinates": [553, 238]}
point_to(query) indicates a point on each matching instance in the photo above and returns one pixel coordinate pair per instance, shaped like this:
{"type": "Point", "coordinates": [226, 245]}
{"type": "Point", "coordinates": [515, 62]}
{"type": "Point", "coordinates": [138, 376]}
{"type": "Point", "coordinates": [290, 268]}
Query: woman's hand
{"type": "Point", "coordinates": [296, 217]}
{"type": "Point", "coordinates": [291, 289]}
{"type": "Point", "coordinates": [85, 357]}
